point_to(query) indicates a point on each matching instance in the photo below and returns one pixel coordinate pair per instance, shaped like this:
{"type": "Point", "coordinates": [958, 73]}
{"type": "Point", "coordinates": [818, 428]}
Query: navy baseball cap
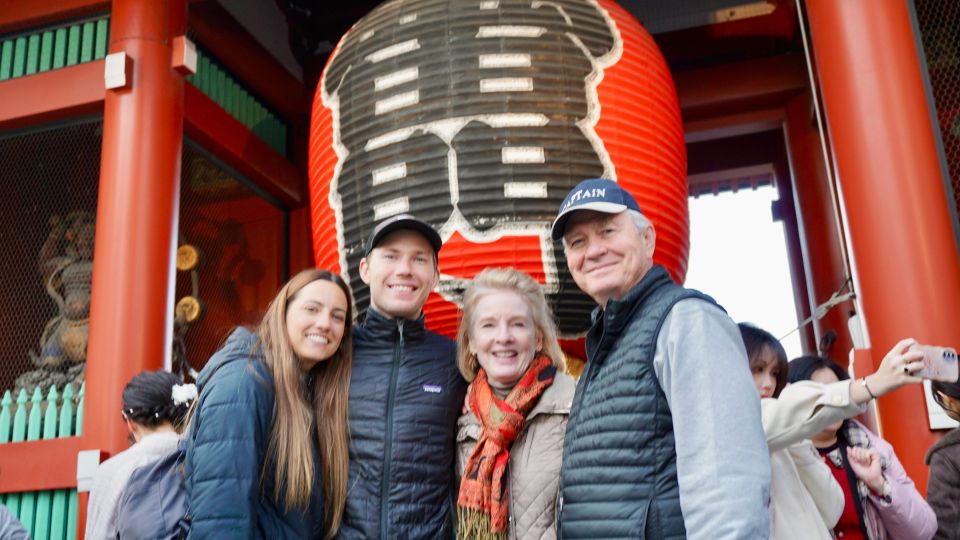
{"type": "Point", "coordinates": [597, 194]}
{"type": "Point", "coordinates": [403, 221]}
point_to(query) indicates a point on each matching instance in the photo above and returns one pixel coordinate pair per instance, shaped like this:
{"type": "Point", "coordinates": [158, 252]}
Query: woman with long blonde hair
{"type": "Point", "coordinates": [267, 447]}
{"type": "Point", "coordinates": [510, 441]}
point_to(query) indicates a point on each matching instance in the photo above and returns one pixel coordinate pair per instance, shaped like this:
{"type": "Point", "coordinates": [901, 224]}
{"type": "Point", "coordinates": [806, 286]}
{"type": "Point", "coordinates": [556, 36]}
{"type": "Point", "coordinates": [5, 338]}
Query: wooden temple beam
{"type": "Point", "coordinates": [725, 126]}
{"type": "Point", "coordinates": [131, 305]}
{"type": "Point", "coordinates": [231, 141]}
{"type": "Point", "coordinates": [231, 44]}
{"type": "Point", "coordinates": [17, 15]}
{"type": "Point", "coordinates": [28, 100]}
{"type": "Point", "coordinates": [741, 86]}
{"type": "Point", "coordinates": [738, 99]}
{"type": "Point", "coordinates": [894, 195]}
{"type": "Point", "coordinates": [39, 465]}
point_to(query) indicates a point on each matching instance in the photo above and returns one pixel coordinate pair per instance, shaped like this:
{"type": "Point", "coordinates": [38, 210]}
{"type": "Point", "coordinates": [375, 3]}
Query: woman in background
{"type": "Point", "coordinates": [943, 483]}
{"type": "Point", "coordinates": [154, 406]}
{"type": "Point", "coordinates": [510, 442]}
{"type": "Point", "coordinates": [881, 501]}
{"type": "Point", "coordinates": [805, 499]}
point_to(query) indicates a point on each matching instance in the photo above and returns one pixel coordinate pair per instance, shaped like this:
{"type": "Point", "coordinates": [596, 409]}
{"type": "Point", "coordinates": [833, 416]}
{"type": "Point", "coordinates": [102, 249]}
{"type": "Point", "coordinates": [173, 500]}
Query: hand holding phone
{"type": "Point", "coordinates": [939, 363]}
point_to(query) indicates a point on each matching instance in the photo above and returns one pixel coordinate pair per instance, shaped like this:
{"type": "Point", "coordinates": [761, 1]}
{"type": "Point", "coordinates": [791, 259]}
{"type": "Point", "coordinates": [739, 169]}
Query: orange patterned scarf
{"type": "Point", "coordinates": [482, 507]}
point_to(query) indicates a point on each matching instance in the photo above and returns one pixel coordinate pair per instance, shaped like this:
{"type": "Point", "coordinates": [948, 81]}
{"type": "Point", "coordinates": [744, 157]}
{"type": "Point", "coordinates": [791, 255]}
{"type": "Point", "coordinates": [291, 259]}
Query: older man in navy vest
{"type": "Point", "coordinates": [664, 438]}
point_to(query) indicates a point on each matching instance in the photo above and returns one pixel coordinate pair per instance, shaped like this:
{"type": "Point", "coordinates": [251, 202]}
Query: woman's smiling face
{"type": "Point", "coordinates": [316, 318]}
{"type": "Point", "coordinates": [504, 337]}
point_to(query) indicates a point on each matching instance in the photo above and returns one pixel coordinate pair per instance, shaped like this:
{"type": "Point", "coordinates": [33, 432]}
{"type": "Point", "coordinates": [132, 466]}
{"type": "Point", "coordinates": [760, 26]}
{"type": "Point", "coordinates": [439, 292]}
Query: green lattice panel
{"type": "Point", "coordinates": [53, 48]}
{"type": "Point", "coordinates": [227, 92]}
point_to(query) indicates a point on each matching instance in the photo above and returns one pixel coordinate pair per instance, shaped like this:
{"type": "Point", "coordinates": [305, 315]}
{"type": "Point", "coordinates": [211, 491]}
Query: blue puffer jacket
{"type": "Point", "coordinates": [405, 397]}
{"type": "Point", "coordinates": [226, 448]}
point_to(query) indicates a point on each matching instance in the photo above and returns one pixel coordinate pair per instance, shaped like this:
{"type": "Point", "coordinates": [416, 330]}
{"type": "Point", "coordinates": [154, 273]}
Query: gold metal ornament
{"type": "Point", "coordinates": [188, 258]}
{"type": "Point", "coordinates": [188, 310]}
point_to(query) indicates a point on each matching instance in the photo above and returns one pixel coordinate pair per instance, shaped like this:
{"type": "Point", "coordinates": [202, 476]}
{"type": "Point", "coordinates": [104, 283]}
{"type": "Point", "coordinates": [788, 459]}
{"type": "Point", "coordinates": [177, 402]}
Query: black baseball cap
{"type": "Point", "coordinates": [403, 221]}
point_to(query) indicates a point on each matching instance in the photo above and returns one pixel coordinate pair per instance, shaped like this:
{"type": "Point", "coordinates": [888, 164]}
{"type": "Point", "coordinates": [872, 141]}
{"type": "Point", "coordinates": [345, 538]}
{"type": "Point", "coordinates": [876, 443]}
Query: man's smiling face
{"type": "Point", "coordinates": [401, 271]}
{"type": "Point", "coordinates": [607, 254]}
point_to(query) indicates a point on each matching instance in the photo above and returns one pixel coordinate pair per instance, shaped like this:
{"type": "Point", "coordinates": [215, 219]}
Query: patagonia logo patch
{"type": "Point", "coordinates": [432, 388]}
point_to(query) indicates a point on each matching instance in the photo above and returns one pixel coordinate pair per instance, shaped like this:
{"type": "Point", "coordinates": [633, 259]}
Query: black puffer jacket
{"type": "Point", "coordinates": [405, 397]}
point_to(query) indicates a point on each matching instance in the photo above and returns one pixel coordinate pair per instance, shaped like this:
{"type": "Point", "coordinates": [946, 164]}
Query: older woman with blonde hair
{"type": "Point", "coordinates": [510, 442]}
{"type": "Point", "coordinates": [267, 448]}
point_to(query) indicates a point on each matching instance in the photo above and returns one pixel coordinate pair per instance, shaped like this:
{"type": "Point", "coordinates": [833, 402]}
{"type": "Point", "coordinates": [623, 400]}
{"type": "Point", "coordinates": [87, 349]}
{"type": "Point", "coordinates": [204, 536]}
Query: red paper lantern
{"type": "Point", "coordinates": [478, 116]}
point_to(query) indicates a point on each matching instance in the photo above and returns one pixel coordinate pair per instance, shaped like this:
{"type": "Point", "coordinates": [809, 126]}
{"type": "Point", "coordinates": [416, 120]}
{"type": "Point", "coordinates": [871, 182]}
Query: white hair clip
{"type": "Point", "coordinates": [184, 393]}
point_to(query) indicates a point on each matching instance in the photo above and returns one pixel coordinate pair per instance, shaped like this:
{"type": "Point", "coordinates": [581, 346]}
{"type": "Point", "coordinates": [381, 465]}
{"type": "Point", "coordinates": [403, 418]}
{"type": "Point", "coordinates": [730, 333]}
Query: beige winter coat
{"type": "Point", "coordinates": [805, 499]}
{"type": "Point", "coordinates": [534, 461]}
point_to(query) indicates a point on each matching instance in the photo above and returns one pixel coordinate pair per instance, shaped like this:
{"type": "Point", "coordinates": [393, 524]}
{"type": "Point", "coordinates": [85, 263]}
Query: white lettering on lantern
{"type": "Point", "coordinates": [396, 78]}
{"type": "Point", "coordinates": [507, 30]}
{"type": "Point", "coordinates": [389, 173]}
{"type": "Point", "coordinates": [391, 208]}
{"type": "Point", "coordinates": [525, 190]}
{"type": "Point", "coordinates": [394, 50]}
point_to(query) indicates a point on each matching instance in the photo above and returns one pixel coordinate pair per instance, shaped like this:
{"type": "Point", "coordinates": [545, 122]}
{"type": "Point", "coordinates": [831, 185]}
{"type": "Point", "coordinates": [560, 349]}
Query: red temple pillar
{"type": "Point", "coordinates": [892, 188]}
{"type": "Point", "coordinates": [820, 240]}
{"type": "Point", "coordinates": [133, 274]}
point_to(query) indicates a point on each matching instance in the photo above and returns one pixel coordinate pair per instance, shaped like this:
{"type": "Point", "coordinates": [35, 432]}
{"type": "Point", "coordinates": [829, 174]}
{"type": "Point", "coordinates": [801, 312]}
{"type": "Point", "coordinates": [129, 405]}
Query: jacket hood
{"type": "Point", "coordinates": [237, 348]}
{"type": "Point", "coordinates": [952, 438]}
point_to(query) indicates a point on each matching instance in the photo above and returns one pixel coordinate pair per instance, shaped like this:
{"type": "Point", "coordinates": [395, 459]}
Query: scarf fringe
{"type": "Point", "coordinates": [475, 525]}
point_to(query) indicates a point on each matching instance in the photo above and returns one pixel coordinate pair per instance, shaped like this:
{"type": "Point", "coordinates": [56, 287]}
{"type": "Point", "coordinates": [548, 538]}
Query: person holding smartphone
{"type": "Point", "coordinates": [881, 501]}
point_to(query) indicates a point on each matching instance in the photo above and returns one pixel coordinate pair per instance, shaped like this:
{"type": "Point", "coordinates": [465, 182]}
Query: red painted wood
{"type": "Point", "coordinates": [217, 131]}
{"type": "Point", "coordinates": [822, 247]}
{"type": "Point", "coordinates": [739, 87]}
{"type": "Point", "coordinates": [23, 15]}
{"type": "Point", "coordinates": [232, 45]}
{"type": "Point", "coordinates": [51, 95]}
{"type": "Point", "coordinates": [131, 312]}
{"type": "Point", "coordinates": [901, 235]}
{"type": "Point", "coordinates": [40, 465]}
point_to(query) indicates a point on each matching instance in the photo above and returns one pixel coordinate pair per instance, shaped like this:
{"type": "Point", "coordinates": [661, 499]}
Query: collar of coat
{"type": "Point", "coordinates": [380, 327]}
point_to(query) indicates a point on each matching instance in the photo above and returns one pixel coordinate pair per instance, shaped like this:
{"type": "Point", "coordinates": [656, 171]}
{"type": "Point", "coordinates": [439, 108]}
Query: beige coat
{"type": "Point", "coordinates": [534, 461]}
{"type": "Point", "coordinates": [805, 499]}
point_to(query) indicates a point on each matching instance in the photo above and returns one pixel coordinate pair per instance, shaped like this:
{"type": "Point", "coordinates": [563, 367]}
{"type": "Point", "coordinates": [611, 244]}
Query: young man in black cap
{"type": "Point", "coordinates": [405, 395]}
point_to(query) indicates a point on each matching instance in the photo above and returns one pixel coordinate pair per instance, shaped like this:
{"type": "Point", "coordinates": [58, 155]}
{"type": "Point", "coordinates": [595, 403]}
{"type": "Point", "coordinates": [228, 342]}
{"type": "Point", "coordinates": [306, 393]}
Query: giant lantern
{"type": "Point", "coordinates": [478, 116]}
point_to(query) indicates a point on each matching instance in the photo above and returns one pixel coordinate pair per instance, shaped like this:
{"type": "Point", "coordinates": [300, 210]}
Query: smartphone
{"type": "Point", "coordinates": [939, 363]}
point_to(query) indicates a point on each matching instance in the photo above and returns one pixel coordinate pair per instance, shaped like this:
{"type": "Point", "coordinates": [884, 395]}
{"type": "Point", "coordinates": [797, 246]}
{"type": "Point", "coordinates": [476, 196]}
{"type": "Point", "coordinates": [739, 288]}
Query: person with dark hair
{"type": "Point", "coordinates": [880, 500]}
{"type": "Point", "coordinates": [943, 483]}
{"type": "Point", "coordinates": [805, 498]}
{"type": "Point", "coordinates": [154, 406]}
{"type": "Point", "coordinates": [803, 494]}
{"type": "Point", "coordinates": [266, 453]}
{"type": "Point", "coordinates": [768, 360]}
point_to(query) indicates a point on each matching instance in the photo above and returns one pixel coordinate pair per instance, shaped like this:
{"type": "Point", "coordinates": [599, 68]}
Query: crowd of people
{"type": "Point", "coordinates": [682, 424]}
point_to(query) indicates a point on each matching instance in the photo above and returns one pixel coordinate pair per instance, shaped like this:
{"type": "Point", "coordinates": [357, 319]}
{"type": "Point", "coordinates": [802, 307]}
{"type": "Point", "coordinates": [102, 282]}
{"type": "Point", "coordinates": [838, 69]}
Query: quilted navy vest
{"type": "Point", "coordinates": [619, 474]}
